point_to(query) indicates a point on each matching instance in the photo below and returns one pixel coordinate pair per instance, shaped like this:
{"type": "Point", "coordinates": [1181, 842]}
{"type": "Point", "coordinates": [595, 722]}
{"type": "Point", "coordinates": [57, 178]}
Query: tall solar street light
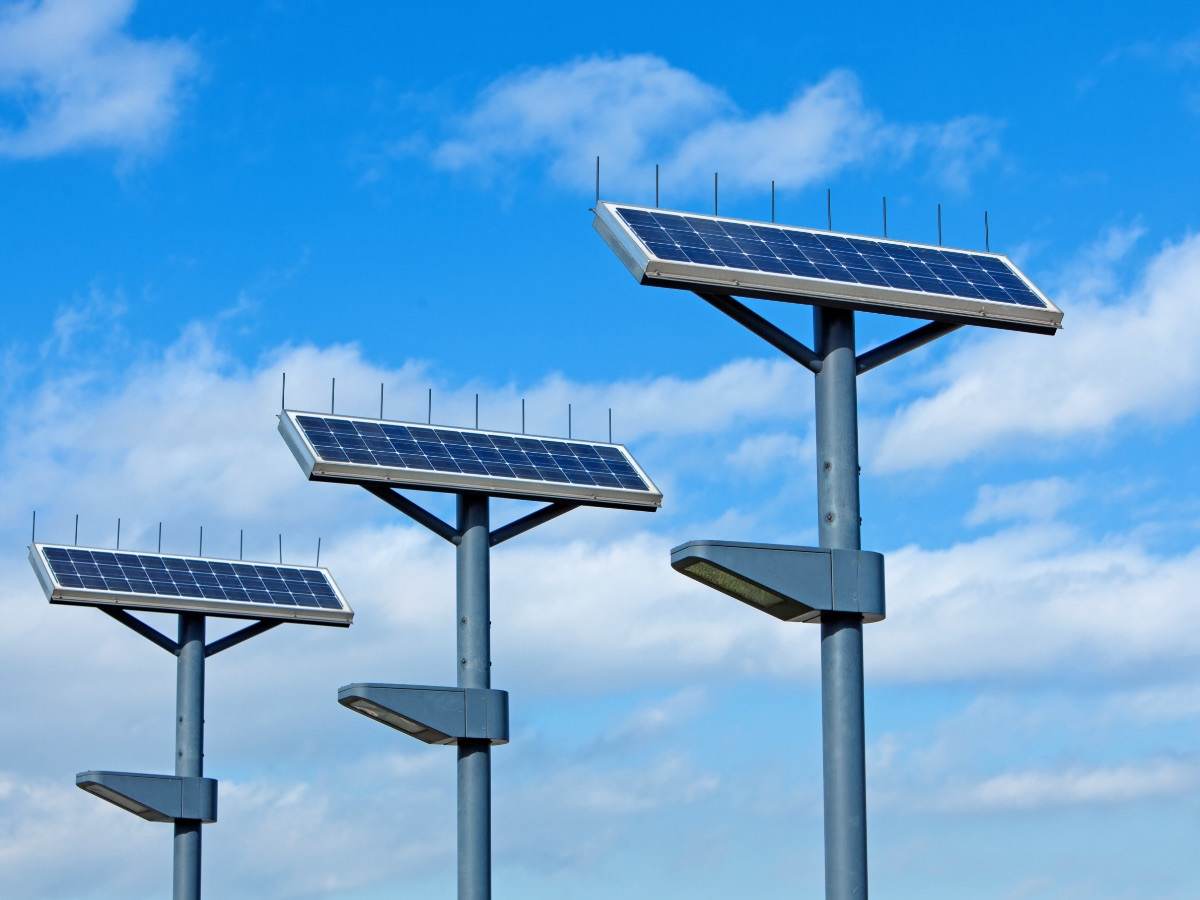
{"type": "Point", "coordinates": [195, 589]}
{"type": "Point", "coordinates": [838, 584]}
{"type": "Point", "coordinates": [475, 466]}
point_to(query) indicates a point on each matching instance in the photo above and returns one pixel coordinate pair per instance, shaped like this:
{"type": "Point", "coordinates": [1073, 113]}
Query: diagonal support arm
{"type": "Point", "coordinates": [133, 623]}
{"type": "Point", "coordinates": [243, 634]}
{"type": "Point", "coordinates": [918, 337]}
{"type": "Point", "coordinates": [533, 520]}
{"type": "Point", "coordinates": [418, 514]}
{"type": "Point", "coordinates": [772, 334]}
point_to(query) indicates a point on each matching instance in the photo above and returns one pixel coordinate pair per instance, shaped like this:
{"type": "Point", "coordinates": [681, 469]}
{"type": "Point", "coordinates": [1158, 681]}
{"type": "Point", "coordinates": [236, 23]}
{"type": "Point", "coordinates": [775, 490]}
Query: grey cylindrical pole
{"type": "Point", "coordinates": [189, 748]}
{"type": "Point", "coordinates": [842, 719]}
{"type": "Point", "coordinates": [474, 671]}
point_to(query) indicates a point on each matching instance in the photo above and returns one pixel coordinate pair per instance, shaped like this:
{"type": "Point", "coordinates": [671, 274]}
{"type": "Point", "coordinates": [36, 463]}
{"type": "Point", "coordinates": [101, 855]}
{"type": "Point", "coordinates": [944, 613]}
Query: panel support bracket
{"type": "Point", "coordinates": [914, 339]}
{"type": "Point", "coordinates": [133, 623]}
{"type": "Point", "coordinates": [242, 634]}
{"type": "Point", "coordinates": [417, 513]}
{"type": "Point", "coordinates": [772, 334]}
{"type": "Point", "coordinates": [530, 521]}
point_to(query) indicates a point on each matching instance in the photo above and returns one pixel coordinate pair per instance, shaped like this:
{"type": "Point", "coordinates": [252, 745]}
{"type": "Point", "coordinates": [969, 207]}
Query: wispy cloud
{"type": "Point", "coordinates": [1047, 789]}
{"type": "Point", "coordinates": [1039, 500]}
{"type": "Point", "coordinates": [634, 111]}
{"type": "Point", "coordinates": [81, 81]}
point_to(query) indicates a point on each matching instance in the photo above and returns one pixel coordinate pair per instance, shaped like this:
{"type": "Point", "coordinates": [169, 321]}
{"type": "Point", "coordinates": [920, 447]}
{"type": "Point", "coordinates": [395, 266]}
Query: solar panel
{"type": "Point", "coordinates": [343, 448]}
{"type": "Point", "coordinates": [756, 259]}
{"type": "Point", "coordinates": [158, 582]}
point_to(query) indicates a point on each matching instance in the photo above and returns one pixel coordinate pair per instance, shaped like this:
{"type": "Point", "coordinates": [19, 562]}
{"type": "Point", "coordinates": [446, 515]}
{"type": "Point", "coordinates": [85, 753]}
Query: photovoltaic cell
{"type": "Point", "coordinates": [830, 257]}
{"type": "Point", "coordinates": [278, 591]}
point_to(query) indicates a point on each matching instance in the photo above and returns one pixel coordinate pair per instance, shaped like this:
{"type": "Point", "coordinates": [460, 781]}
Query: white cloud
{"type": "Point", "coordinates": [1131, 359]}
{"type": "Point", "coordinates": [1042, 789]}
{"type": "Point", "coordinates": [1039, 500]}
{"type": "Point", "coordinates": [1036, 598]}
{"type": "Point", "coordinates": [635, 111]}
{"type": "Point", "coordinates": [83, 82]}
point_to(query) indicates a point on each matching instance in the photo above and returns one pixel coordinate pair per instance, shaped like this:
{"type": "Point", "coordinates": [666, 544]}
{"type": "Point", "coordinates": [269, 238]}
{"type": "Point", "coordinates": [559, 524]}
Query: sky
{"type": "Point", "coordinates": [199, 198]}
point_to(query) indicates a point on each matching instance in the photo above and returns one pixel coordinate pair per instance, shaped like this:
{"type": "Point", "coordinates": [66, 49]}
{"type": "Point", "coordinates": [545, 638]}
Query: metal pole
{"type": "Point", "coordinates": [189, 748]}
{"type": "Point", "coordinates": [842, 719]}
{"type": "Point", "coordinates": [474, 671]}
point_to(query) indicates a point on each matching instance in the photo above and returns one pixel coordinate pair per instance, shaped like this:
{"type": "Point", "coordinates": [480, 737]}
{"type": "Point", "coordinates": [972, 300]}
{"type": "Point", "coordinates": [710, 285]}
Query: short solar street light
{"type": "Point", "coordinates": [720, 258]}
{"type": "Point", "coordinates": [194, 588]}
{"type": "Point", "coordinates": [475, 465]}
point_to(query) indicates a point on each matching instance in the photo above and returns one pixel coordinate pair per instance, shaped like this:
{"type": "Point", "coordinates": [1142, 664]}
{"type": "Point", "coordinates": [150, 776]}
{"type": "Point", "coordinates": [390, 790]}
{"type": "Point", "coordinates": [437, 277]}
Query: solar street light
{"type": "Point", "coordinates": [194, 588]}
{"type": "Point", "coordinates": [475, 465]}
{"type": "Point", "coordinates": [837, 274]}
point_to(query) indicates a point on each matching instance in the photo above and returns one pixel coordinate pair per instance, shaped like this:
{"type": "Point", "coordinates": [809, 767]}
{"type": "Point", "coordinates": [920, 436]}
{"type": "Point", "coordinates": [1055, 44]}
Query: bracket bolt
{"type": "Point", "coordinates": [828, 465]}
{"type": "Point", "coordinates": [828, 517]}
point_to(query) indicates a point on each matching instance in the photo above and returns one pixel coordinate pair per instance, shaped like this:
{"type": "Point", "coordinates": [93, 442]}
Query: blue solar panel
{"type": "Point", "coordinates": [472, 453]}
{"type": "Point", "coordinates": [775, 250]}
{"type": "Point", "coordinates": [175, 578]}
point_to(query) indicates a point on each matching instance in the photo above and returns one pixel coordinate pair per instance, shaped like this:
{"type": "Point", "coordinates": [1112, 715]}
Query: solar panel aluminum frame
{"type": "Point", "coordinates": [57, 593]}
{"type": "Point", "coordinates": [650, 270]}
{"type": "Point", "coordinates": [317, 469]}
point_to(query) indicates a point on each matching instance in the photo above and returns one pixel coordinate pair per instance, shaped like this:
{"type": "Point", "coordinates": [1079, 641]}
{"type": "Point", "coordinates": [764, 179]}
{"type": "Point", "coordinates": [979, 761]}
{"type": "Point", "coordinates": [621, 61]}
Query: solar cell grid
{"type": "Point", "coordinates": [790, 251]}
{"type": "Point", "coordinates": [179, 577]}
{"type": "Point", "coordinates": [471, 453]}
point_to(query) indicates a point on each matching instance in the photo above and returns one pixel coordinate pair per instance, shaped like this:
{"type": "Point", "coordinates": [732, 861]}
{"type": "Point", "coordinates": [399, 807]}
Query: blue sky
{"type": "Point", "coordinates": [197, 199]}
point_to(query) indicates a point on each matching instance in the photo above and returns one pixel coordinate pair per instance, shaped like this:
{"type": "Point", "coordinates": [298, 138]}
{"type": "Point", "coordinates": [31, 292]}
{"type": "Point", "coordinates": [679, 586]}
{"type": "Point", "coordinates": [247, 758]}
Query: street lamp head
{"type": "Point", "coordinates": [435, 715]}
{"type": "Point", "coordinates": [155, 798]}
{"type": "Point", "coordinates": [795, 584]}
